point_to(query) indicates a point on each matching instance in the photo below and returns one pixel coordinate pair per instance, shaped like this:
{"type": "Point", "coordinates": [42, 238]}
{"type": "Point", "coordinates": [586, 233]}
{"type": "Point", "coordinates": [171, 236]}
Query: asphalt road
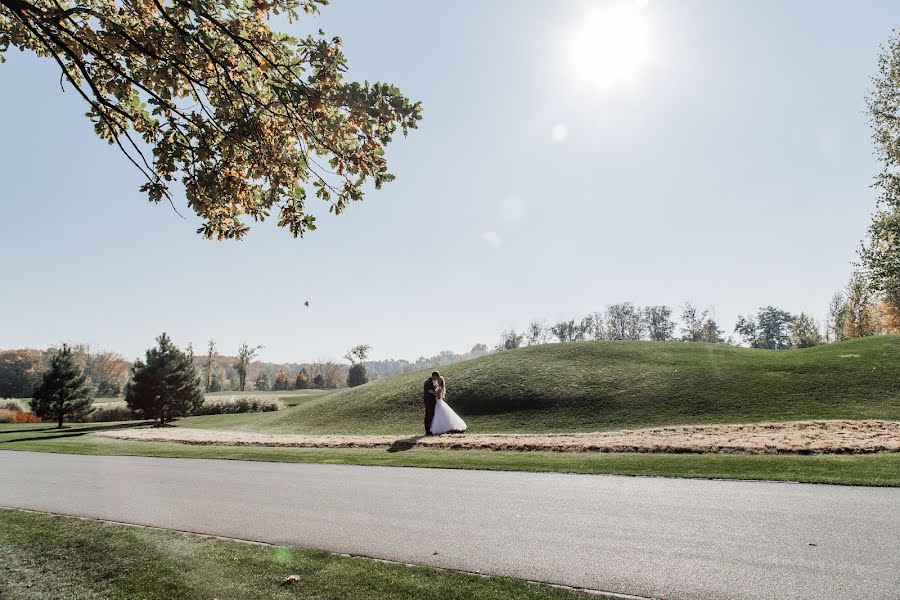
{"type": "Point", "coordinates": [642, 536]}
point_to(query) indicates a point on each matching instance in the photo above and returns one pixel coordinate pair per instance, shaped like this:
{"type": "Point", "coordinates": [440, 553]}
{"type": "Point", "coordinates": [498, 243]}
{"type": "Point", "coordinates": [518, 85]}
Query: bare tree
{"type": "Point", "coordinates": [358, 354]}
{"type": "Point", "coordinates": [623, 322]}
{"type": "Point", "coordinates": [699, 326]}
{"type": "Point", "coordinates": [510, 339]}
{"type": "Point", "coordinates": [244, 356]}
{"type": "Point", "coordinates": [334, 374]}
{"type": "Point", "coordinates": [107, 372]}
{"type": "Point", "coordinates": [598, 330]}
{"type": "Point", "coordinates": [564, 330]}
{"type": "Point", "coordinates": [590, 327]}
{"type": "Point", "coordinates": [536, 333]}
{"type": "Point", "coordinates": [659, 323]}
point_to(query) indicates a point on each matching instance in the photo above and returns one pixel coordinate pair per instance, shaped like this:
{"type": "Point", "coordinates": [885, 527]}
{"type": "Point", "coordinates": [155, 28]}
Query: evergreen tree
{"type": "Point", "coordinates": [165, 385]}
{"type": "Point", "coordinates": [262, 382]}
{"type": "Point", "coordinates": [215, 382]}
{"type": "Point", "coordinates": [211, 365]}
{"type": "Point", "coordinates": [318, 381]}
{"type": "Point", "coordinates": [63, 391]}
{"type": "Point", "coordinates": [358, 375]}
{"type": "Point", "coordinates": [302, 381]}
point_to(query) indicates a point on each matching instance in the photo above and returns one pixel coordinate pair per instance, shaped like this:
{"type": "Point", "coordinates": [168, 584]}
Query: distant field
{"type": "Point", "coordinates": [288, 397]}
{"type": "Point", "coordinates": [601, 386]}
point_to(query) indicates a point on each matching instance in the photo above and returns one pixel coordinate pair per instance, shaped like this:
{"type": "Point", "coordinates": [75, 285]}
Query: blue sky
{"type": "Point", "coordinates": [732, 168]}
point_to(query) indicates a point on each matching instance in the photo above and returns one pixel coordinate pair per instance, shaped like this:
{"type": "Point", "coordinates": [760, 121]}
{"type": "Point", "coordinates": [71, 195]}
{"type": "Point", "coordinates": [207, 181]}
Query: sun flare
{"type": "Point", "coordinates": [609, 46]}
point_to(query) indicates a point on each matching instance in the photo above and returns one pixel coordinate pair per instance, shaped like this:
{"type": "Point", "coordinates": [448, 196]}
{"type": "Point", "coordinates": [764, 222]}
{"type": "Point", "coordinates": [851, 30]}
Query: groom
{"type": "Point", "coordinates": [429, 397]}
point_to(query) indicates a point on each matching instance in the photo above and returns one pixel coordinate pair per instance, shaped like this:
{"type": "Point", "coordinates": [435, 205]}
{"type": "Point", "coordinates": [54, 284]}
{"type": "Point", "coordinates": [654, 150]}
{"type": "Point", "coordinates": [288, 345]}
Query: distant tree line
{"type": "Point", "coordinates": [21, 370]}
{"type": "Point", "coordinates": [857, 311]}
{"type": "Point", "coordinates": [384, 368]}
{"type": "Point", "coordinates": [623, 321]}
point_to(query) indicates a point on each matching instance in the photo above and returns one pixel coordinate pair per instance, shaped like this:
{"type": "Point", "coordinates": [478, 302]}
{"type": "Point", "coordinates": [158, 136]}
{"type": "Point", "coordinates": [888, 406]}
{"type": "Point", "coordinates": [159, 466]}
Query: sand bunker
{"type": "Point", "coordinates": [789, 437]}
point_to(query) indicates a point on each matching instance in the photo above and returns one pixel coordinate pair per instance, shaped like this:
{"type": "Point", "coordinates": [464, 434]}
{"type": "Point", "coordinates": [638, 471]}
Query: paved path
{"type": "Point", "coordinates": [648, 537]}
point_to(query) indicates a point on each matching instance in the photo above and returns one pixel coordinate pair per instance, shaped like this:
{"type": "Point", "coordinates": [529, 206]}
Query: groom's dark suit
{"type": "Point", "coordinates": [430, 400]}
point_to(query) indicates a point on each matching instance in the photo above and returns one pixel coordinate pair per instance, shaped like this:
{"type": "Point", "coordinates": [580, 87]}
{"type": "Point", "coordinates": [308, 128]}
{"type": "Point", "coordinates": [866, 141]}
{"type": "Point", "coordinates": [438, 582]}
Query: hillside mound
{"type": "Point", "coordinates": [605, 385]}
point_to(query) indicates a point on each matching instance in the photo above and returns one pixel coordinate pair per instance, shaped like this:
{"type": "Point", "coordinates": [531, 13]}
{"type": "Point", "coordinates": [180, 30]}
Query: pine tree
{"type": "Point", "coordinates": [63, 391]}
{"type": "Point", "coordinates": [211, 365]}
{"type": "Point", "coordinates": [358, 375]}
{"type": "Point", "coordinates": [215, 381]}
{"type": "Point", "coordinates": [262, 382]}
{"type": "Point", "coordinates": [165, 385]}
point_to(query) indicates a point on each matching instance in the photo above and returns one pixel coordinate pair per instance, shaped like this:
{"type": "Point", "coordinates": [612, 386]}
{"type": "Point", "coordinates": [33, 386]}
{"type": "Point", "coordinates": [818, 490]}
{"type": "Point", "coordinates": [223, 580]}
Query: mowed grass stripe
{"type": "Point", "coordinates": [882, 469]}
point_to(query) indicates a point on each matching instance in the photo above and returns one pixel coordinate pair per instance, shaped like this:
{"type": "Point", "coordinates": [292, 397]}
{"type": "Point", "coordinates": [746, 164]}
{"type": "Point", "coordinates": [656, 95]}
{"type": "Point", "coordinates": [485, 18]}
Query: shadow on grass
{"type": "Point", "coordinates": [404, 444]}
{"type": "Point", "coordinates": [66, 432]}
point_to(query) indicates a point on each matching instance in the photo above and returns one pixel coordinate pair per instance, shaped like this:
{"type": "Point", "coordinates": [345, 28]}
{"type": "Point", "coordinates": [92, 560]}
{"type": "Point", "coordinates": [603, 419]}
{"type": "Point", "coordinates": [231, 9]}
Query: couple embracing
{"type": "Point", "coordinates": [439, 417]}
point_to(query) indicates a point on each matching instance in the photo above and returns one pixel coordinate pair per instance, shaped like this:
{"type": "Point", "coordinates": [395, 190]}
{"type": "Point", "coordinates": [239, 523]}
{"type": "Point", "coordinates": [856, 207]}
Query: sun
{"type": "Point", "coordinates": [610, 46]}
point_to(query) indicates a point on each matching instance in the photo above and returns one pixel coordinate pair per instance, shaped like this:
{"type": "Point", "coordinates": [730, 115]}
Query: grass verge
{"type": "Point", "coordinates": [46, 557]}
{"type": "Point", "coordinates": [851, 469]}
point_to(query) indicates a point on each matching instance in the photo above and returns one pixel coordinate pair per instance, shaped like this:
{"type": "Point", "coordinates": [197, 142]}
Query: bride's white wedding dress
{"type": "Point", "coordinates": [445, 419]}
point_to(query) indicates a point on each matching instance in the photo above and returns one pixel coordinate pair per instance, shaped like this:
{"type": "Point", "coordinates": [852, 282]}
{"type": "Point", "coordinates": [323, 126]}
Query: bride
{"type": "Point", "coordinates": [445, 420]}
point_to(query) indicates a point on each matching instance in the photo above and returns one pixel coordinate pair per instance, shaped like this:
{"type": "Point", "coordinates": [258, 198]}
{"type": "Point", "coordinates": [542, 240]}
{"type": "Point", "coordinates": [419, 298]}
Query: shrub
{"type": "Point", "coordinates": [12, 405]}
{"type": "Point", "coordinates": [226, 405]}
{"type": "Point", "coordinates": [18, 416]}
{"type": "Point", "coordinates": [111, 411]}
{"type": "Point", "coordinates": [27, 417]}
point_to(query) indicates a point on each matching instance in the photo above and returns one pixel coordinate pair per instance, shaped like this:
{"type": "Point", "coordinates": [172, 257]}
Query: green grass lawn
{"type": "Point", "coordinates": [44, 557]}
{"type": "Point", "coordinates": [860, 469]}
{"type": "Point", "coordinates": [585, 386]}
{"type": "Point", "coordinates": [593, 386]}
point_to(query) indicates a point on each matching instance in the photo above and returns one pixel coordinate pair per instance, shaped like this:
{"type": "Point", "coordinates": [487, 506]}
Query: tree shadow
{"type": "Point", "coordinates": [404, 444]}
{"type": "Point", "coordinates": [66, 432]}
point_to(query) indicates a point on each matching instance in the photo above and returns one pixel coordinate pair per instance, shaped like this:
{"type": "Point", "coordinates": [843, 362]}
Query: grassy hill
{"type": "Point", "coordinates": [590, 386]}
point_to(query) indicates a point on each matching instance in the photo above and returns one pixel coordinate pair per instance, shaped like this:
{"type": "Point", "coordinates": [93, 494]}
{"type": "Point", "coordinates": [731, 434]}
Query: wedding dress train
{"type": "Point", "coordinates": [445, 419]}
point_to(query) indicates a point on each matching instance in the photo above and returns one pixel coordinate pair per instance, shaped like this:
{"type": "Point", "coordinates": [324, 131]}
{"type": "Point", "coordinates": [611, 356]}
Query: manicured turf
{"type": "Point", "coordinates": [860, 469]}
{"type": "Point", "coordinates": [591, 386]}
{"type": "Point", "coordinates": [45, 557]}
